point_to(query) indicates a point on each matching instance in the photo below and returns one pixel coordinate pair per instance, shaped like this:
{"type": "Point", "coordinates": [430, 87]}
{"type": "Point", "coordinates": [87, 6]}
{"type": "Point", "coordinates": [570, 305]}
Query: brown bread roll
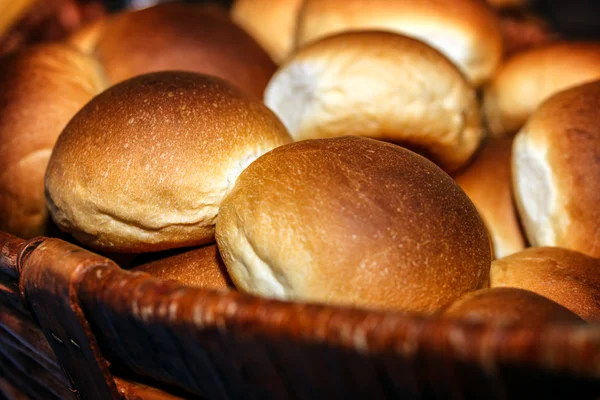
{"type": "Point", "coordinates": [467, 32]}
{"type": "Point", "coordinates": [41, 88]}
{"type": "Point", "coordinates": [556, 172]}
{"type": "Point", "coordinates": [507, 306]}
{"type": "Point", "coordinates": [488, 183]}
{"type": "Point", "coordinates": [528, 78]}
{"type": "Point", "coordinates": [567, 277]}
{"type": "Point", "coordinates": [353, 221]}
{"type": "Point", "coordinates": [144, 166]}
{"type": "Point", "coordinates": [380, 85]}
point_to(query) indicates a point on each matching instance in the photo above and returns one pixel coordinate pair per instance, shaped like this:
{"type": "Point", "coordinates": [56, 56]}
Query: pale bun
{"type": "Point", "coordinates": [467, 31]}
{"type": "Point", "coordinates": [566, 277]}
{"type": "Point", "coordinates": [271, 22]}
{"type": "Point", "coordinates": [530, 77]}
{"type": "Point", "coordinates": [41, 88]}
{"type": "Point", "coordinates": [352, 221]}
{"type": "Point", "coordinates": [556, 172]}
{"type": "Point", "coordinates": [145, 165]}
{"type": "Point", "coordinates": [380, 85]}
{"type": "Point", "coordinates": [509, 306]}
{"type": "Point", "coordinates": [488, 183]}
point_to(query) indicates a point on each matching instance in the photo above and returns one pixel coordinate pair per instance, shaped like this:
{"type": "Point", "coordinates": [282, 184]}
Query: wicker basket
{"type": "Point", "coordinates": [75, 325]}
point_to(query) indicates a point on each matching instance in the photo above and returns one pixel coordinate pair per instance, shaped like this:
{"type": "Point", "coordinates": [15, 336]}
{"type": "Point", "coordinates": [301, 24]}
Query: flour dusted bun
{"type": "Point", "coordinates": [466, 31]}
{"type": "Point", "coordinates": [352, 220]}
{"type": "Point", "coordinates": [41, 88]}
{"type": "Point", "coordinates": [556, 172]}
{"type": "Point", "coordinates": [507, 306]}
{"type": "Point", "coordinates": [178, 36]}
{"type": "Point", "coordinates": [530, 77]}
{"type": "Point", "coordinates": [488, 183]}
{"type": "Point", "coordinates": [567, 277]}
{"type": "Point", "coordinates": [380, 85]}
{"type": "Point", "coordinates": [271, 22]}
{"type": "Point", "coordinates": [144, 166]}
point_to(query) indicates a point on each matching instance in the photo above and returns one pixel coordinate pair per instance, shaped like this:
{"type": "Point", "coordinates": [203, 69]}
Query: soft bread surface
{"type": "Point", "coordinates": [556, 173]}
{"type": "Point", "coordinates": [354, 221]}
{"type": "Point", "coordinates": [144, 166]}
{"type": "Point", "coordinates": [271, 22]}
{"type": "Point", "coordinates": [380, 85]}
{"type": "Point", "coordinates": [488, 183]}
{"type": "Point", "coordinates": [530, 77]}
{"type": "Point", "coordinates": [41, 88]}
{"type": "Point", "coordinates": [507, 306]}
{"type": "Point", "coordinates": [188, 37]}
{"type": "Point", "coordinates": [467, 31]}
{"type": "Point", "coordinates": [567, 277]}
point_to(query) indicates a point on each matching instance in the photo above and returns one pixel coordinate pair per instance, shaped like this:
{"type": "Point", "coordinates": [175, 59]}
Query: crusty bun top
{"type": "Point", "coordinates": [567, 277]}
{"type": "Point", "coordinates": [41, 88]}
{"type": "Point", "coordinates": [556, 171]}
{"type": "Point", "coordinates": [144, 166]}
{"type": "Point", "coordinates": [352, 220]}
{"type": "Point", "coordinates": [271, 22]}
{"type": "Point", "coordinates": [528, 78]}
{"type": "Point", "coordinates": [188, 37]}
{"type": "Point", "coordinates": [466, 31]}
{"type": "Point", "coordinates": [380, 85]}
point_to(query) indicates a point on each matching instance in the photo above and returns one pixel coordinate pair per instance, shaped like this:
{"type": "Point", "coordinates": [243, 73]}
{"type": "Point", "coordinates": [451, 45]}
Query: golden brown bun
{"type": "Point", "coordinates": [530, 77]}
{"type": "Point", "coordinates": [183, 37]}
{"type": "Point", "coordinates": [354, 221]}
{"type": "Point", "coordinates": [509, 3]}
{"type": "Point", "coordinates": [41, 88]}
{"type": "Point", "coordinates": [86, 37]}
{"type": "Point", "coordinates": [144, 166]}
{"type": "Point", "coordinates": [488, 183]}
{"type": "Point", "coordinates": [556, 171]}
{"type": "Point", "coordinates": [202, 267]}
{"type": "Point", "coordinates": [271, 22]}
{"type": "Point", "coordinates": [467, 31]}
{"type": "Point", "coordinates": [567, 277]}
{"type": "Point", "coordinates": [380, 85]}
{"type": "Point", "coordinates": [507, 306]}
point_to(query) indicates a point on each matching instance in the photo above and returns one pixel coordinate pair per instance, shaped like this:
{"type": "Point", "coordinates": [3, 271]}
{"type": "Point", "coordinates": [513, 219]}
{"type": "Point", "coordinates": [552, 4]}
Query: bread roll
{"type": "Point", "coordinates": [201, 267]}
{"type": "Point", "coordinates": [144, 166]}
{"type": "Point", "coordinates": [530, 77]}
{"type": "Point", "coordinates": [41, 88]}
{"type": "Point", "coordinates": [567, 277]}
{"type": "Point", "coordinates": [467, 31]}
{"type": "Point", "coordinates": [556, 171]}
{"type": "Point", "coordinates": [188, 37]}
{"type": "Point", "coordinates": [507, 306]}
{"type": "Point", "coordinates": [271, 22]}
{"type": "Point", "coordinates": [381, 85]}
{"type": "Point", "coordinates": [488, 183]}
{"type": "Point", "coordinates": [353, 221]}
{"type": "Point", "coordinates": [86, 38]}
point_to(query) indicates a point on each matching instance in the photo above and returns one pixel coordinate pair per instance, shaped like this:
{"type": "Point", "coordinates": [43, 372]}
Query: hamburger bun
{"type": "Point", "coordinates": [41, 88]}
{"type": "Point", "coordinates": [380, 85]}
{"type": "Point", "coordinates": [556, 172]}
{"type": "Point", "coordinates": [271, 22]}
{"type": "Point", "coordinates": [530, 77]}
{"type": "Point", "coordinates": [508, 306]}
{"type": "Point", "coordinates": [564, 276]}
{"type": "Point", "coordinates": [488, 183]}
{"type": "Point", "coordinates": [467, 32]}
{"type": "Point", "coordinates": [352, 221]}
{"type": "Point", "coordinates": [144, 166]}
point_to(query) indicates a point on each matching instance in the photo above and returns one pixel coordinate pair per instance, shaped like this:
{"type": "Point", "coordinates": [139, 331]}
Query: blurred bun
{"type": "Point", "coordinates": [145, 165]}
{"type": "Point", "coordinates": [467, 32]}
{"type": "Point", "coordinates": [566, 277]}
{"type": "Point", "coordinates": [380, 85]}
{"type": "Point", "coordinates": [41, 88]}
{"type": "Point", "coordinates": [352, 221]}
{"type": "Point", "coordinates": [556, 171]}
